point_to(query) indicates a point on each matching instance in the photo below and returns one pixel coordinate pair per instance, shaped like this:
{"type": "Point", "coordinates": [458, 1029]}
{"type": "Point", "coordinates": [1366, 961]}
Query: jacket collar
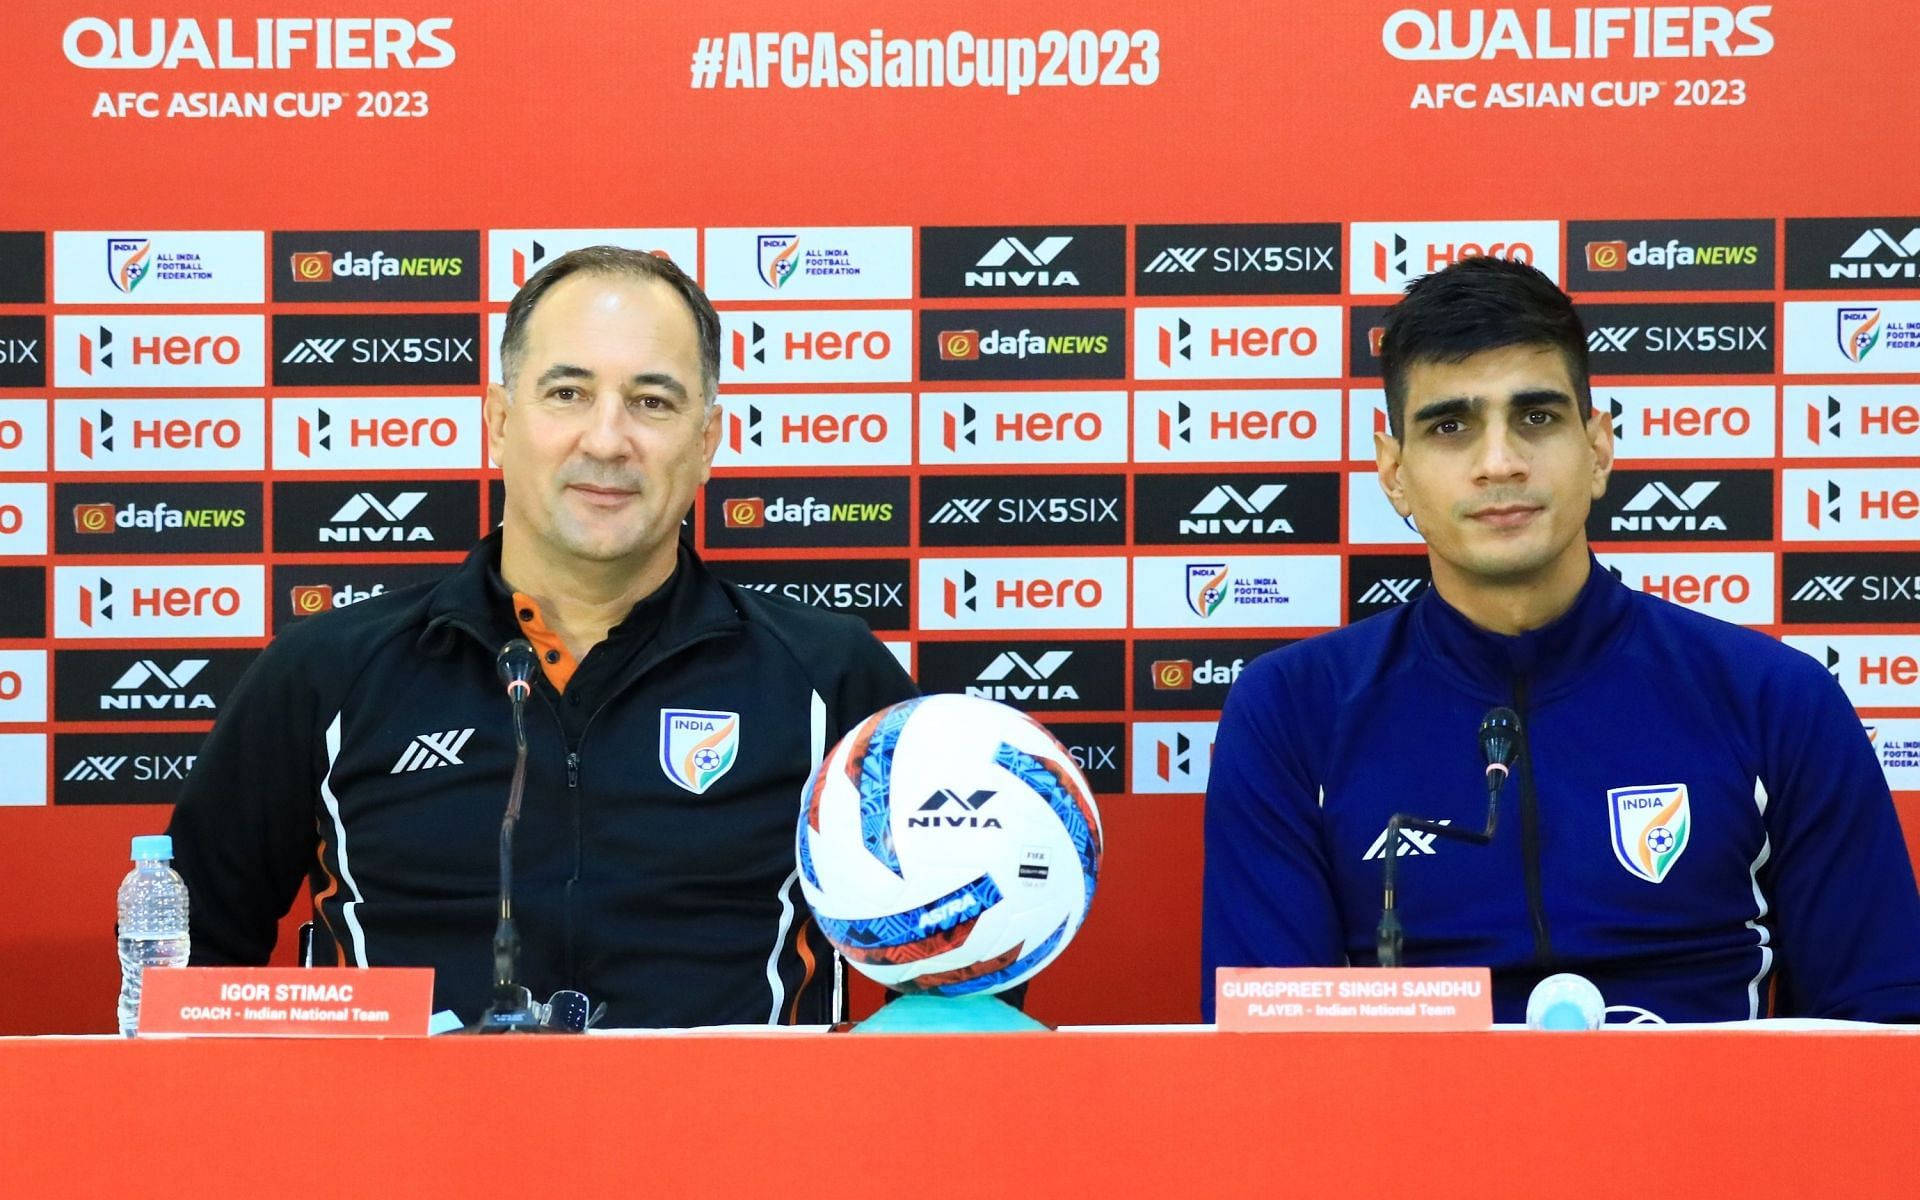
{"type": "Point", "coordinates": [1545, 661]}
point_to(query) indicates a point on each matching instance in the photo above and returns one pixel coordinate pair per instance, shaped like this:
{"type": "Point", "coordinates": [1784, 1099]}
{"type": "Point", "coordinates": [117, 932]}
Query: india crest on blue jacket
{"type": "Point", "coordinates": [697, 747]}
{"type": "Point", "coordinates": [1650, 827]}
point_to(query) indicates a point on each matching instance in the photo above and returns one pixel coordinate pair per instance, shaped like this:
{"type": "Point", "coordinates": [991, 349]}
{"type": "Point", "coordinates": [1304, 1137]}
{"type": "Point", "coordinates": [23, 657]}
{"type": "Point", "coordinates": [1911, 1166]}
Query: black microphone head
{"type": "Point", "coordinates": [1499, 737]}
{"type": "Point", "coordinates": [516, 665]}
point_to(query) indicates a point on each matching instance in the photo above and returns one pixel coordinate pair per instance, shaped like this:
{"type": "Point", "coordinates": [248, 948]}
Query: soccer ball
{"type": "Point", "coordinates": [949, 845]}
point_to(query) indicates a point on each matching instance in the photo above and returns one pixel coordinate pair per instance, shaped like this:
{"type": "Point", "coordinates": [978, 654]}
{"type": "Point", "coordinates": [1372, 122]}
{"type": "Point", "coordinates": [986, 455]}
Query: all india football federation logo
{"type": "Point", "coordinates": [1206, 588]}
{"type": "Point", "coordinates": [128, 261]}
{"type": "Point", "coordinates": [697, 747]}
{"type": "Point", "coordinates": [1651, 826]}
{"type": "Point", "coordinates": [779, 258]}
{"type": "Point", "coordinates": [1859, 332]}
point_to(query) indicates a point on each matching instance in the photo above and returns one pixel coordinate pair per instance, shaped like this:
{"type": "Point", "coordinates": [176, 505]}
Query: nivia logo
{"type": "Point", "coordinates": [1853, 252]}
{"type": "Point", "coordinates": [1857, 259]}
{"type": "Point", "coordinates": [1412, 841]}
{"type": "Point", "coordinates": [1080, 260]}
{"type": "Point", "coordinates": [95, 768]}
{"type": "Point", "coordinates": [146, 677]}
{"type": "Point", "coordinates": [430, 750]}
{"type": "Point", "coordinates": [1025, 261]}
{"type": "Point", "coordinates": [965, 818]}
{"type": "Point", "coordinates": [368, 518]}
{"type": "Point", "coordinates": [362, 503]}
{"type": "Point", "coordinates": [1642, 513]}
{"type": "Point", "coordinates": [1030, 677]}
{"type": "Point", "coordinates": [1249, 511]}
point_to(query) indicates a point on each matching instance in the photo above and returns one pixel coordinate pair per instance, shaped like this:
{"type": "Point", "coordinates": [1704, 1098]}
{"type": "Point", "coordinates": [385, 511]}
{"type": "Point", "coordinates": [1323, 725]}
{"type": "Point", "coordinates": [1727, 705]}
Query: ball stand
{"type": "Point", "coordinates": [949, 1014]}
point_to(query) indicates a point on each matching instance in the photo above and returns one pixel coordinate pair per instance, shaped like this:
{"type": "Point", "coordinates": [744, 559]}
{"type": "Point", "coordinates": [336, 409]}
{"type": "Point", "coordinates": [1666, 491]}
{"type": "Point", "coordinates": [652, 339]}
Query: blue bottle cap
{"type": "Point", "coordinates": [152, 846]}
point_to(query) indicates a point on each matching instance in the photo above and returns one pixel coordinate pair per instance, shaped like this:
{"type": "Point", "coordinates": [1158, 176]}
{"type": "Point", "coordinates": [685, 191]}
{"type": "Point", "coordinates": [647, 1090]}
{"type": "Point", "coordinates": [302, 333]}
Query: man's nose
{"type": "Point", "coordinates": [606, 433]}
{"type": "Point", "coordinates": [1502, 454]}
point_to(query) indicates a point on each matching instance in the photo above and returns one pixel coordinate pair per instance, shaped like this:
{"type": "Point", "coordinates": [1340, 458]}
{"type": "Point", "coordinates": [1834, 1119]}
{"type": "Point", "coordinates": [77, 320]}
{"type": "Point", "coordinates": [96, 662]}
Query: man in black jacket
{"type": "Point", "coordinates": [675, 721]}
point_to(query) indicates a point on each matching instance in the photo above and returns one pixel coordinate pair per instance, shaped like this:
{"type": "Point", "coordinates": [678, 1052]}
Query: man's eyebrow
{"type": "Point", "coordinates": [1452, 406]}
{"type": "Point", "coordinates": [660, 380]}
{"type": "Point", "coordinates": [1541, 398]}
{"type": "Point", "coordinates": [562, 371]}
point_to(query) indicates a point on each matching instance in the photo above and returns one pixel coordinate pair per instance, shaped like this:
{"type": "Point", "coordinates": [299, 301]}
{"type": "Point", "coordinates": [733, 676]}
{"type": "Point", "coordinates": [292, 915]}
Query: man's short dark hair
{"type": "Point", "coordinates": [1479, 304]}
{"type": "Point", "coordinates": [616, 261]}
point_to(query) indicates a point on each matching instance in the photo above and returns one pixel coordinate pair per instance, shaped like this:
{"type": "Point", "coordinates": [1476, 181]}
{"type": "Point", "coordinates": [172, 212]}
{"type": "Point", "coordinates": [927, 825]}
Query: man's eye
{"type": "Point", "coordinates": [1539, 416]}
{"type": "Point", "coordinates": [1446, 427]}
{"type": "Point", "coordinates": [566, 394]}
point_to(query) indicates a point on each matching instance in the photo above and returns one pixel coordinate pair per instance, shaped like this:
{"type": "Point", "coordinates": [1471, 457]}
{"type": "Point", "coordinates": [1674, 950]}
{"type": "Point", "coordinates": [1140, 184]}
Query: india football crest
{"type": "Point", "coordinates": [778, 258]}
{"type": "Point", "coordinates": [1650, 826]}
{"type": "Point", "coordinates": [1859, 331]}
{"type": "Point", "coordinates": [697, 747]}
{"type": "Point", "coordinates": [1206, 587]}
{"type": "Point", "coordinates": [128, 260]}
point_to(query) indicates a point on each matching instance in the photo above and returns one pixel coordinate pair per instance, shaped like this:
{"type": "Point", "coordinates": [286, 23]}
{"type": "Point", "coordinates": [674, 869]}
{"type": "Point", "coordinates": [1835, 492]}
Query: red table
{"type": "Point", "coordinates": [1700, 1114]}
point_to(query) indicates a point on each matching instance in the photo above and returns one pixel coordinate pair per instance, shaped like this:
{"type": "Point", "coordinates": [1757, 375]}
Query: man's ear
{"type": "Point", "coordinates": [494, 412]}
{"type": "Point", "coordinates": [1386, 457]}
{"type": "Point", "coordinates": [1600, 437]}
{"type": "Point", "coordinates": [710, 437]}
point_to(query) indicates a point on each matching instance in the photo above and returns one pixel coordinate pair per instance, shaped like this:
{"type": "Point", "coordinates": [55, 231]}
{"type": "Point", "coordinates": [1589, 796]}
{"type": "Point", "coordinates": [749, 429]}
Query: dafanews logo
{"type": "Point", "coordinates": [1243, 426]}
{"type": "Point", "coordinates": [1658, 256]}
{"type": "Point", "coordinates": [1292, 591]}
{"type": "Point", "coordinates": [1023, 510]}
{"type": "Point", "coordinates": [334, 265]}
{"type": "Point", "coordinates": [122, 768]}
{"type": "Point", "coordinates": [1237, 343]}
{"type": "Point", "coordinates": [1849, 338]}
{"type": "Point", "coordinates": [875, 590]}
{"type": "Point", "coordinates": [1853, 252]}
{"type": "Point", "coordinates": [359, 351]}
{"type": "Point", "coordinates": [413, 516]}
{"type": "Point", "coordinates": [516, 255]}
{"type": "Point", "coordinates": [1031, 676]}
{"type": "Point", "coordinates": [1851, 505]}
{"type": "Point", "coordinates": [23, 602]}
{"type": "Point", "coordinates": [808, 263]}
{"type": "Point", "coordinates": [1023, 427]}
{"type": "Point", "coordinates": [1679, 339]}
{"type": "Point", "coordinates": [153, 267]}
{"type": "Point", "coordinates": [23, 268]}
{"type": "Point", "coordinates": [121, 602]}
{"type": "Point", "coordinates": [1044, 343]}
{"type": "Point", "coordinates": [1023, 593]}
{"type": "Point", "coordinates": [1237, 260]}
{"type": "Point", "coordinates": [1379, 582]}
{"type": "Point", "coordinates": [1172, 757]}
{"type": "Point", "coordinates": [746, 512]}
{"type": "Point", "coordinates": [1883, 586]}
{"type": "Point", "coordinates": [815, 430]}
{"type": "Point", "coordinates": [377, 433]}
{"type": "Point", "coordinates": [1851, 422]}
{"type": "Point", "coordinates": [145, 685]}
{"type": "Point", "coordinates": [1689, 422]}
{"type": "Point", "coordinates": [1683, 506]}
{"type": "Point", "coordinates": [1876, 670]}
{"type": "Point", "coordinates": [158, 518]}
{"type": "Point", "coordinates": [822, 346]}
{"type": "Point", "coordinates": [170, 351]}
{"type": "Point", "coordinates": [1192, 673]}
{"type": "Point", "coordinates": [1733, 587]}
{"type": "Point", "coordinates": [1024, 260]}
{"type": "Point", "coordinates": [1699, 31]}
{"type": "Point", "coordinates": [307, 591]}
{"type": "Point", "coordinates": [1266, 508]}
{"type": "Point", "coordinates": [1389, 255]}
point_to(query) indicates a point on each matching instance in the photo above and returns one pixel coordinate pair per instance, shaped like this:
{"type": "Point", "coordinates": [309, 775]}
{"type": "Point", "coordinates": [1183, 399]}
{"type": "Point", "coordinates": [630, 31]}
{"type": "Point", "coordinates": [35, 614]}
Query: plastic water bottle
{"type": "Point", "coordinates": [153, 922]}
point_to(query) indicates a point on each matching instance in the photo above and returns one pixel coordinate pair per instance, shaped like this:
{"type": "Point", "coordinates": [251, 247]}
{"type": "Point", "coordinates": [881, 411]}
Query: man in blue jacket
{"type": "Point", "coordinates": [1695, 821]}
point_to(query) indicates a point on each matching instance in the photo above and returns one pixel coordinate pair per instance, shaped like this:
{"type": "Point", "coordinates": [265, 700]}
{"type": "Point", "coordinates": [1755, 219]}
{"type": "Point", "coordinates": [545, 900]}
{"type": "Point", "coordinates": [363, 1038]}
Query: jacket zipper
{"type": "Point", "coordinates": [1530, 832]}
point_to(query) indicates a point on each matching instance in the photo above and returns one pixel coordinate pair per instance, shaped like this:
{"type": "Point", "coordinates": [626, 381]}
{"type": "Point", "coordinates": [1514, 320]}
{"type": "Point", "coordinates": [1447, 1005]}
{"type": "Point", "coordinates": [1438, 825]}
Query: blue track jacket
{"type": "Point", "coordinates": [1782, 869]}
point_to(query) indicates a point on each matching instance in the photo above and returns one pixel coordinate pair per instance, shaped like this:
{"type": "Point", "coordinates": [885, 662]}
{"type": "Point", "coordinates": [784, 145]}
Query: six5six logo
{"type": "Point", "coordinates": [745, 512]}
{"type": "Point", "coordinates": [816, 430]}
{"type": "Point", "coordinates": [1822, 588]}
{"type": "Point", "coordinates": [170, 351]}
{"type": "Point", "coordinates": [1237, 343]}
{"type": "Point", "coordinates": [1023, 427]}
{"type": "Point", "coordinates": [23, 354]}
{"type": "Point", "coordinates": [1650, 256]}
{"type": "Point", "coordinates": [1040, 343]}
{"type": "Point", "coordinates": [1881, 505]}
{"type": "Point", "coordinates": [377, 433]}
{"type": "Point", "coordinates": [1281, 425]}
{"type": "Point", "coordinates": [159, 436]}
{"type": "Point", "coordinates": [1679, 339]}
{"type": "Point", "coordinates": [1237, 260]}
{"type": "Point", "coordinates": [838, 346]}
{"type": "Point", "coordinates": [875, 590]}
{"type": "Point", "coordinates": [1684, 506]}
{"type": "Point", "coordinates": [1389, 255]}
{"type": "Point", "coordinates": [1023, 593]}
{"type": "Point", "coordinates": [1053, 260]}
{"type": "Point", "coordinates": [357, 351]}
{"type": "Point", "coordinates": [1293, 591]}
{"type": "Point", "coordinates": [1038, 676]}
{"type": "Point", "coordinates": [1851, 422]}
{"type": "Point", "coordinates": [148, 267]}
{"type": "Point", "coordinates": [405, 265]}
{"type": "Point", "coordinates": [1219, 508]}
{"type": "Point", "coordinates": [1023, 510]}
{"type": "Point", "coordinates": [515, 255]}
{"type": "Point", "coordinates": [122, 768]}
{"type": "Point", "coordinates": [1378, 582]}
{"type": "Point", "coordinates": [159, 602]}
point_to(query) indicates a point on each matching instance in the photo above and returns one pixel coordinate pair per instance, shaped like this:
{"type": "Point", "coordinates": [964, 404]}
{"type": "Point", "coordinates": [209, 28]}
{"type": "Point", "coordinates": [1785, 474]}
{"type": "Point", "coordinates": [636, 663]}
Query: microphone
{"type": "Point", "coordinates": [1499, 745]}
{"type": "Point", "coordinates": [1565, 1001]}
{"type": "Point", "coordinates": [514, 1009]}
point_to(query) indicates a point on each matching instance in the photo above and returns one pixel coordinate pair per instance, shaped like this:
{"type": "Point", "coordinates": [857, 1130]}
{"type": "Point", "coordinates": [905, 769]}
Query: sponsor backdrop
{"type": "Point", "coordinates": [1049, 351]}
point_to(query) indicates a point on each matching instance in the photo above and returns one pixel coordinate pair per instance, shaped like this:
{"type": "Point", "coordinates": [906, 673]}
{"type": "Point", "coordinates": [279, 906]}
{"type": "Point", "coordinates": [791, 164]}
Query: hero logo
{"type": "Point", "coordinates": [825, 429]}
{"type": "Point", "coordinates": [137, 687]}
{"type": "Point", "coordinates": [1824, 502]}
{"type": "Point", "coordinates": [271, 43]}
{"type": "Point", "coordinates": [1007, 665]}
{"type": "Point", "coordinates": [1390, 255]}
{"type": "Point", "coordinates": [961, 428]}
{"type": "Point", "coordinates": [752, 344]}
{"type": "Point", "coordinates": [969, 805]}
{"type": "Point", "coordinates": [1857, 260]}
{"type": "Point", "coordinates": [1661, 418]}
{"type": "Point", "coordinates": [314, 435]}
{"type": "Point", "coordinates": [1174, 426]}
{"type": "Point", "coordinates": [1204, 518]}
{"type": "Point", "coordinates": [382, 350]}
{"type": "Point", "coordinates": [97, 434]}
{"type": "Point", "coordinates": [97, 349]}
{"type": "Point", "coordinates": [1637, 515]}
{"type": "Point", "coordinates": [963, 595]}
{"type": "Point", "coordinates": [1672, 32]}
{"type": "Point", "coordinates": [352, 523]}
{"type": "Point", "coordinates": [1393, 260]}
{"type": "Point", "coordinates": [1672, 339]}
{"type": "Point", "coordinates": [1176, 342]}
{"type": "Point", "coordinates": [1734, 587]}
{"type": "Point", "coordinates": [98, 603]}
{"type": "Point", "coordinates": [1875, 420]}
{"type": "Point", "coordinates": [1028, 265]}
{"type": "Point", "coordinates": [1872, 664]}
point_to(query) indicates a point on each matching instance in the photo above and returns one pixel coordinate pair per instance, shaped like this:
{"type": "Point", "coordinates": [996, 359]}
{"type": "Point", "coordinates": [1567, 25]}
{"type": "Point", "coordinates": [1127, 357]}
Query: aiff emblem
{"type": "Point", "coordinates": [1206, 588]}
{"type": "Point", "coordinates": [1650, 828]}
{"type": "Point", "coordinates": [128, 261]}
{"type": "Point", "coordinates": [697, 747]}
{"type": "Point", "coordinates": [1859, 331]}
{"type": "Point", "coordinates": [778, 260]}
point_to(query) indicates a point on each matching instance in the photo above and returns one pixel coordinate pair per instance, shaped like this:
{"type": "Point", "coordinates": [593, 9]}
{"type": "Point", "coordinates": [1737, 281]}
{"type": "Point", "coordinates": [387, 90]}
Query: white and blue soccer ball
{"type": "Point", "coordinates": [949, 845]}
